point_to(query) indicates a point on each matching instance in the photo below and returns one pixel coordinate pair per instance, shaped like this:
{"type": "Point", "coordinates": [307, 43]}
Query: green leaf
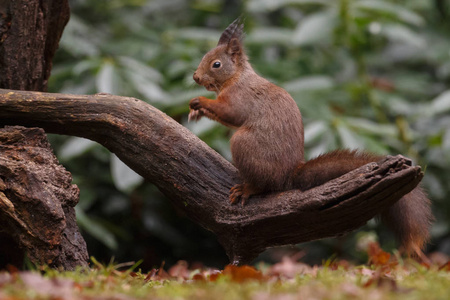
{"type": "Point", "coordinates": [202, 126]}
{"type": "Point", "coordinates": [401, 33]}
{"type": "Point", "coordinates": [149, 89]}
{"type": "Point", "coordinates": [314, 130]}
{"type": "Point", "coordinates": [178, 68]}
{"type": "Point", "coordinates": [75, 146]}
{"type": "Point", "coordinates": [390, 9]}
{"type": "Point", "coordinates": [196, 34]}
{"type": "Point", "coordinates": [124, 178]}
{"type": "Point", "coordinates": [108, 81]}
{"type": "Point", "coordinates": [270, 35]}
{"type": "Point", "coordinates": [160, 227]}
{"type": "Point", "coordinates": [271, 5]}
{"type": "Point", "coordinates": [315, 28]}
{"type": "Point", "coordinates": [182, 97]}
{"type": "Point", "coordinates": [145, 79]}
{"type": "Point", "coordinates": [84, 86]}
{"type": "Point", "coordinates": [372, 127]}
{"type": "Point", "coordinates": [446, 140]}
{"type": "Point", "coordinates": [96, 229]}
{"type": "Point", "coordinates": [441, 103]}
{"type": "Point", "coordinates": [314, 82]}
{"type": "Point", "coordinates": [348, 138]}
{"type": "Point", "coordinates": [140, 68]}
{"type": "Point", "coordinates": [79, 39]}
{"type": "Point", "coordinates": [85, 65]}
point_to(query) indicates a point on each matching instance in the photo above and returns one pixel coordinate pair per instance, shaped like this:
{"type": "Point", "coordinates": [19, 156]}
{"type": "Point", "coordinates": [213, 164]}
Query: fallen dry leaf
{"type": "Point", "coordinates": [381, 281]}
{"type": "Point", "coordinates": [439, 258]}
{"type": "Point", "coordinates": [242, 273]}
{"type": "Point", "coordinates": [350, 289]}
{"type": "Point", "coordinates": [342, 263]}
{"type": "Point", "coordinates": [377, 256]}
{"type": "Point", "coordinates": [56, 288]}
{"type": "Point", "coordinates": [158, 274]}
{"type": "Point", "coordinates": [445, 267]}
{"type": "Point", "coordinates": [289, 268]}
{"type": "Point", "coordinates": [180, 270]}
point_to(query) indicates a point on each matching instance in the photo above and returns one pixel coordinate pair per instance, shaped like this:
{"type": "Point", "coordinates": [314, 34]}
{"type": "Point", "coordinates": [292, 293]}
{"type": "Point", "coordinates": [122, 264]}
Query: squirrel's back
{"type": "Point", "coordinates": [269, 145]}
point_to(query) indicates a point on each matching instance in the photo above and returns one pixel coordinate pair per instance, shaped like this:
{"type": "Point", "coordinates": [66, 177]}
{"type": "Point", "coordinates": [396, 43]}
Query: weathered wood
{"type": "Point", "coordinates": [197, 180]}
{"type": "Point", "coordinates": [29, 35]}
{"type": "Point", "coordinates": [37, 201]}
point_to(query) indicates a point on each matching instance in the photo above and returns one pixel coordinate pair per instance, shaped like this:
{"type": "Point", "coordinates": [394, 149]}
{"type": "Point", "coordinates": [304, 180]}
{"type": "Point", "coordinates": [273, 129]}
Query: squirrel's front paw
{"type": "Point", "coordinates": [196, 112]}
{"type": "Point", "coordinates": [194, 104]}
{"type": "Point", "coordinates": [195, 115]}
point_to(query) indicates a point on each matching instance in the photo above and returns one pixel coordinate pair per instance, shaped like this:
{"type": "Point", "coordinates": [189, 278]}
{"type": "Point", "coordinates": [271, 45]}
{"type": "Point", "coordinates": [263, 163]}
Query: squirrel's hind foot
{"type": "Point", "coordinates": [241, 192]}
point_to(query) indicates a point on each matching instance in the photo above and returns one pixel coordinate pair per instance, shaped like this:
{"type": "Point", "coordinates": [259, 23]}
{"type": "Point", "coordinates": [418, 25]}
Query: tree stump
{"type": "Point", "coordinates": [37, 201]}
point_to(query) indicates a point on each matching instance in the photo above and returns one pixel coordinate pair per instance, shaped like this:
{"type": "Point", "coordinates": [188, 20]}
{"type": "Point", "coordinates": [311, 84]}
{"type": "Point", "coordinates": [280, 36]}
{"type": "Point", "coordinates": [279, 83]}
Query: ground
{"type": "Point", "coordinates": [383, 277]}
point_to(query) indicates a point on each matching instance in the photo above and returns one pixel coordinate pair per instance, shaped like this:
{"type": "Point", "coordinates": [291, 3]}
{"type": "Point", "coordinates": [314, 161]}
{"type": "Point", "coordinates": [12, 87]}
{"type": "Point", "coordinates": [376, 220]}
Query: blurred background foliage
{"type": "Point", "coordinates": [366, 74]}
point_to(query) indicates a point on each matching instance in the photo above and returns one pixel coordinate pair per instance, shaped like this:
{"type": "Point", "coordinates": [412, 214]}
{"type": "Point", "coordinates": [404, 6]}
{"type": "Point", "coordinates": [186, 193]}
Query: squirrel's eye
{"type": "Point", "coordinates": [216, 64]}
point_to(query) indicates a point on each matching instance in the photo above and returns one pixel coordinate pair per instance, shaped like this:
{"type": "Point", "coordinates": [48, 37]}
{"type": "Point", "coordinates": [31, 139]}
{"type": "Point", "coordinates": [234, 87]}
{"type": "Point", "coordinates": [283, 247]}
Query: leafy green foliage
{"type": "Point", "coordinates": [366, 74]}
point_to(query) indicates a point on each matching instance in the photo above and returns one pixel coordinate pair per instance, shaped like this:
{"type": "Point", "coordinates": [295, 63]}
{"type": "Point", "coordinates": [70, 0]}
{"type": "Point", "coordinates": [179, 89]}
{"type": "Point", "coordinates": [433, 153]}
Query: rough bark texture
{"type": "Point", "coordinates": [31, 218]}
{"type": "Point", "coordinates": [37, 200]}
{"type": "Point", "coordinates": [197, 180]}
{"type": "Point", "coordinates": [29, 35]}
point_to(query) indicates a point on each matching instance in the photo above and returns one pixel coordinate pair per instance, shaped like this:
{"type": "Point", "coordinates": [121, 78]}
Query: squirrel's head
{"type": "Point", "coordinates": [223, 62]}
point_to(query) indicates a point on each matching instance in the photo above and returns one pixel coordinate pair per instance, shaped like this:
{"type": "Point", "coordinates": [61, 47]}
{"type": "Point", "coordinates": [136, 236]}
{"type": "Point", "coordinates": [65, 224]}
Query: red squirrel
{"type": "Point", "coordinates": [267, 146]}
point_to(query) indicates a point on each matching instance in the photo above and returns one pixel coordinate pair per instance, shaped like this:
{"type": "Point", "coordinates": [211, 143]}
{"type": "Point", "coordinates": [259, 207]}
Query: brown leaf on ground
{"type": "Point", "coordinates": [56, 288]}
{"type": "Point", "coordinates": [342, 263]}
{"type": "Point", "coordinates": [289, 268]}
{"type": "Point", "coordinates": [438, 258]}
{"type": "Point", "coordinates": [198, 277]}
{"type": "Point", "coordinates": [180, 270]}
{"type": "Point", "coordinates": [158, 274]}
{"type": "Point", "coordinates": [5, 278]}
{"type": "Point", "coordinates": [350, 290]}
{"type": "Point", "coordinates": [242, 273]}
{"type": "Point", "coordinates": [382, 281]}
{"type": "Point", "coordinates": [377, 256]}
{"type": "Point", "coordinates": [214, 276]}
{"type": "Point", "coordinates": [445, 267]}
{"type": "Point", "coordinates": [12, 269]}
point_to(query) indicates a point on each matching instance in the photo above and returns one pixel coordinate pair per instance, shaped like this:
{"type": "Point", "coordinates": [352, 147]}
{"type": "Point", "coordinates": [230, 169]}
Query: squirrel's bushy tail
{"type": "Point", "coordinates": [409, 218]}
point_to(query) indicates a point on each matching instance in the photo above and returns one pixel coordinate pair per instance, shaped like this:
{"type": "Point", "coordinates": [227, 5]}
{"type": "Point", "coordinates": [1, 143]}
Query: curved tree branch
{"type": "Point", "coordinates": [197, 179]}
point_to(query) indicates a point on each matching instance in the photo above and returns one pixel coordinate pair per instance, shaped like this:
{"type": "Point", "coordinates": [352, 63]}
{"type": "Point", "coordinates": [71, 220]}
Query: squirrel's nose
{"type": "Point", "coordinates": [196, 78]}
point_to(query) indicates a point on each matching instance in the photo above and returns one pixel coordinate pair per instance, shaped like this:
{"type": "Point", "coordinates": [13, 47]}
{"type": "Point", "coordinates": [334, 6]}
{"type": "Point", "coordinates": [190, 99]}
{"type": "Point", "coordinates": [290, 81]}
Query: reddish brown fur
{"type": "Point", "coordinates": [409, 218]}
{"type": "Point", "coordinates": [267, 147]}
{"type": "Point", "coordinates": [251, 104]}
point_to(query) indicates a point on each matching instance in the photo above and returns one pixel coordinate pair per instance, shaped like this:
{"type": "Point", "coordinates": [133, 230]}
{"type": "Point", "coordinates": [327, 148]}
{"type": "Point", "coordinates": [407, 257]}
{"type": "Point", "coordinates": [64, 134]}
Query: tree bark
{"type": "Point", "coordinates": [37, 201]}
{"type": "Point", "coordinates": [29, 35]}
{"type": "Point", "coordinates": [197, 180]}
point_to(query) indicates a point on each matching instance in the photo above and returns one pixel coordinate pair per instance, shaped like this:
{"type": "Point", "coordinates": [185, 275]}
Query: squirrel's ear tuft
{"type": "Point", "coordinates": [234, 31]}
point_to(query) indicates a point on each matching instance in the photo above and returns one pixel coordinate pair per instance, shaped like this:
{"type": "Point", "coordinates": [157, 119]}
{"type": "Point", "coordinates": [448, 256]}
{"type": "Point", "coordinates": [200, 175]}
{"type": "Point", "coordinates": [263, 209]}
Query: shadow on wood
{"type": "Point", "coordinates": [197, 180]}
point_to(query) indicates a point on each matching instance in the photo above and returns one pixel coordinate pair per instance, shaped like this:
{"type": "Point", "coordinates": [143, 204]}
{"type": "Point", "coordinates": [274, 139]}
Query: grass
{"type": "Point", "coordinates": [288, 279]}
